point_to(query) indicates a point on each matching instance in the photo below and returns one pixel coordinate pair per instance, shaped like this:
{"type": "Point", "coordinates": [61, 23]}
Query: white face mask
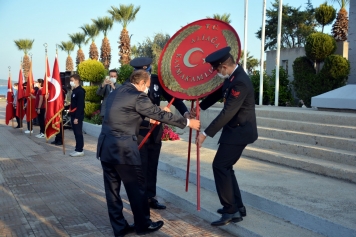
{"type": "Point", "coordinates": [72, 84]}
{"type": "Point", "coordinates": [223, 76]}
{"type": "Point", "coordinates": [146, 90]}
{"type": "Point", "coordinates": [113, 79]}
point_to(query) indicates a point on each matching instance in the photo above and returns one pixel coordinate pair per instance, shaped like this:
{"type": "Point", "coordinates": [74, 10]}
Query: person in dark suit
{"type": "Point", "coordinates": [238, 121]}
{"type": "Point", "coordinates": [77, 105]}
{"type": "Point", "coordinates": [108, 86]}
{"type": "Point", "coordinates": [118, 151]}
{"type": "Point", "coordinates": [150, 151]}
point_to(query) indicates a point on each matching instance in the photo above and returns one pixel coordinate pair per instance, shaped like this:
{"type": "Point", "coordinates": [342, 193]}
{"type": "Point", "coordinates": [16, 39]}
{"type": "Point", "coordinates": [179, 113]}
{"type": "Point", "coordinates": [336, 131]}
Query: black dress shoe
{"type": "Point", "coordinates": [154, 204]}
{"type": "Point", "coordinates": [153, 227]}
{"type": "Point", "coordinates": [59, 143]}
{"type": "Point", "coordinates": [226, 218]}
{"type": "Point", "coordinates": [18, 126]}
{"type": "Point", "coordinates": [242, 211]}
{"type": "Point", "coordinates": [54, 142]}
{"type": "Point", "coordinates": [128, 229]}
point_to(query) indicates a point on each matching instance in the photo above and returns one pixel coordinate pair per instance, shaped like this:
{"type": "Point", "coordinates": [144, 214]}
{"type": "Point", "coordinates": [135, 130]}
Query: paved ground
{"type": "Point", "coordinates": [46, 193]}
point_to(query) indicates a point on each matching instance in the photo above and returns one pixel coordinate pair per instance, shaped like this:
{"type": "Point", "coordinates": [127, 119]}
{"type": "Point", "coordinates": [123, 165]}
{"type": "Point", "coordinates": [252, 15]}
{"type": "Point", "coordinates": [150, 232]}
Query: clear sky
{"type": "Point", "coordinates": [50, 21]}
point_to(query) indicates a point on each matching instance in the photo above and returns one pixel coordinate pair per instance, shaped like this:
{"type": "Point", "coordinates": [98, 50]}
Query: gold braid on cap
{"type": "Point", "coordinates": [171, 83]}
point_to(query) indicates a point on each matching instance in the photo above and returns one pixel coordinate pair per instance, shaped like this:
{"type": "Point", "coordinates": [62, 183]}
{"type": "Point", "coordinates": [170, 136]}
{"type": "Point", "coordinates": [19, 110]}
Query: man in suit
{"type": "Point", "coordinates": [118, 151]}
{"type": "Point", "coordinates": [150, 151]}
{"type": "Point", "coordinates": [106, 88]}
{"type": "Point", "coordinates": [238, 121]}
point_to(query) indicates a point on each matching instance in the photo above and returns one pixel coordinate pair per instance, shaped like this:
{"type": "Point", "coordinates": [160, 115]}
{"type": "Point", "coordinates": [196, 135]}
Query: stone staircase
{"type": "Point", "coordinates": [298, 179]}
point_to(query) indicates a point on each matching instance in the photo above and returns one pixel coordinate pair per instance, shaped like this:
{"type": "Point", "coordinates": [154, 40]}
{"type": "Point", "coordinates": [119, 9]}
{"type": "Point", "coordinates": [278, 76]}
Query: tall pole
{"type": "Point", "coordinates": [245, 36]}
{"type": "Point", "coordinates": [262, 51]}
{"type": "Point", "coordinates": [278, 50]}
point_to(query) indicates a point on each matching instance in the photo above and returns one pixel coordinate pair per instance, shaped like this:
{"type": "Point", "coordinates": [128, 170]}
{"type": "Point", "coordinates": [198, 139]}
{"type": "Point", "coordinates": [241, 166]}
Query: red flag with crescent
{"type": "Point", "coordinates": [20, 112]}
{"type": "Point", "coordinates": [9, 102]}
{"type": "Point", "coordinates": [55, 103]}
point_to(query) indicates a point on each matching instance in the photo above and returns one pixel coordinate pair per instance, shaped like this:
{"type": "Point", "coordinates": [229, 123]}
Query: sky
{"type": "Point", "coordinates": [50, 21]}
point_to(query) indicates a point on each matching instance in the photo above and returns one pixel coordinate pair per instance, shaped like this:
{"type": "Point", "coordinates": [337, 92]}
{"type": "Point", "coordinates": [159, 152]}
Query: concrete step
{"type": "Point", "coordinates": [303, 149]}
{"type": "Point", "coordinates": [348, 144]}
{"type": "Point", "coordinates": [307, 115]}
{"type": "Point", "coordinates": [322, 204]}
{"type": "Point", "coordinates": [318, 128]}
{"type": "Point", "coordinates": [256, 223]}
{"type": "Point", "coordinates": [317, 166]}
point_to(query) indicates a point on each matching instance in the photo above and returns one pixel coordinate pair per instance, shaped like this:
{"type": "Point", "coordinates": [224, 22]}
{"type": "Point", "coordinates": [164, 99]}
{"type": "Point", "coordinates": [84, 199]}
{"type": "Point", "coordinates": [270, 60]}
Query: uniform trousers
{"type": "Point", "coordinates": [133, 180]}
{"type": "Point", "coordinates": [225, 180]}
{"type": "Point", "coordinates": [41, 120]}
{"type": "Point", "coordinates": [78, 134]}
{"type": "Point", "coordinates": [149, 153]}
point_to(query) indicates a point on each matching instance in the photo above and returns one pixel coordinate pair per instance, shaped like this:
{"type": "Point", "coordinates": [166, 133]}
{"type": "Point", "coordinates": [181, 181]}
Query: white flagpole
{"type": "Point", "coordinates": [245, 37]}
{"type": "Point", "coordinates": [278, 51]}
{"type": "Point", "coordinates": [262, 51]}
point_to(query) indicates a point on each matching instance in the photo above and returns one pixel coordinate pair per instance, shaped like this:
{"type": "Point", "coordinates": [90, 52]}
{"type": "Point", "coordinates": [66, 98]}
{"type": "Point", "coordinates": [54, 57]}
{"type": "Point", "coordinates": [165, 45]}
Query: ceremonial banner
{"type": "Point", "coordinates": [46, 77]}
{"type": "Point", "coordinates": [182, 69]}
{"type": "Point", "coordinates": [20, 112]}
{"type": "Point", "coordinates": [9, 102]}
{"type": "Point", "coordinates": [55, 103]}
{"type": "Point", "coordinates": [31, 102]}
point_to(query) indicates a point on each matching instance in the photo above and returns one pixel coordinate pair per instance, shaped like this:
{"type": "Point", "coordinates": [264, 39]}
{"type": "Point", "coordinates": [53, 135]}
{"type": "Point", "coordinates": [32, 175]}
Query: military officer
{"type": "Point", "coordinates": [152, 147]}
{"type": "Point", "coordinates": [238, 123]}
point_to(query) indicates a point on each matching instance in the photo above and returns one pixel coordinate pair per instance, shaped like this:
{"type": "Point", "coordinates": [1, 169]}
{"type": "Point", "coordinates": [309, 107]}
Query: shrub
{"type": "Point", "coordinates": [90, 94]}
{"type": "Point", "coordinates": [92, 71]}
{"type": "Point", "coordinates": [90, 108]}
{"type": "Point", "coordinates": [325, 14]}
{"type": "Point", "coordinates": [285, 93]}
{"type": "Point", "coordinates": [255, 78]}
{"type": "Point", "coordinates": [124, 73]}
{"type": "Point", "coordinates": [318, 46]}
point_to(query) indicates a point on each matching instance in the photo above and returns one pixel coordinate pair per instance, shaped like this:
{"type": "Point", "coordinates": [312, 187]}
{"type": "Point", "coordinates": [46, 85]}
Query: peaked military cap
{"type": "Point", "coordinates": [141, 63]}
{"type": "Point", "coordinates": [218, 57]}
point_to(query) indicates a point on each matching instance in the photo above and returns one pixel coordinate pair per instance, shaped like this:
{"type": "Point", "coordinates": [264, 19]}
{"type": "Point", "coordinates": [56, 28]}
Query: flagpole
{"type": "Point", "coordinates": [279, 29]}
{"type": "Point", "coordinates": [262, 51]}
{"type": "Point", "coordinates": [30, 98]}
{"type": "Point", "coordinates": [245, 37]}
{"type": "Point", "coordinates": [45, 96]}
{"type": "Point", "coordinates": [64, 149]}
{"type": "Point", "coordinates": [12, 119]}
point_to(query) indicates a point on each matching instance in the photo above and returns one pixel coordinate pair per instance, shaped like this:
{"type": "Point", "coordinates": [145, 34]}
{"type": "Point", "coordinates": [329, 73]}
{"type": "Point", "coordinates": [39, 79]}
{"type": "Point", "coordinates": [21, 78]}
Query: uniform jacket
{"type": "Point", "coordinates": [155, 92]}
{"type": "Point", "coordinates": [77, 102]}
{"type": "Point", "coordinates": [237, 118]}
{"type": "Point", "coordinates": [105, 92]}
{"type": "Point", "coordinates": [126, 108]}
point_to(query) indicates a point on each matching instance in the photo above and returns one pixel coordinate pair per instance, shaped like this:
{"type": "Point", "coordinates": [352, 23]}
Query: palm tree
{"type": "Point", "coordinates": [68, 47]}
{"type": "Point", "coordinates": [124, 15]}
{"type": "Point", "coordinates": [341, 26]}
{"type": "Point", "coordinates": [224, 17]}
{"type": "Point", "coordinates": [251, 62]}
{"type": "Point", "coordinates": [91, 31]}
{"type": "Point", "coordinates": [104, 24]}
{"type": "Point", "coordinates": [78, 39]}
{"type": "Point", "coordinates": [25, 45]}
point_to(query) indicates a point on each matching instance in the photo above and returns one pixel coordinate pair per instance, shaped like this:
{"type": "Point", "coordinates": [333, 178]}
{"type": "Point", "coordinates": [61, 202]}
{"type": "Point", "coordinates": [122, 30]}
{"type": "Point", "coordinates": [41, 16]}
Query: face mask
{"type": "Point", "coordinates": [113, 79]}
{"type": "Point", "coordinates": [146, 90]}
{"type": "Point", "coordinates": [72, 84]}
{"type": "Point", "coordinates": [223, 76]}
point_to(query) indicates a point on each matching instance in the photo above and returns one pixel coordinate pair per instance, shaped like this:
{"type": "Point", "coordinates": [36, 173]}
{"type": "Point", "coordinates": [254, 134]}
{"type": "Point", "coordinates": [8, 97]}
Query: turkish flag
{"type": "Point", "coordinates": [9, 103]}
{"type": "Point", "coordinates": [46, 78]}
{"type": "Point", "coordinates": [20, 112]}
{"type": "Point", "coordinates": [55, 103]}
{"type": "Point", "coordinates": [30, 108]}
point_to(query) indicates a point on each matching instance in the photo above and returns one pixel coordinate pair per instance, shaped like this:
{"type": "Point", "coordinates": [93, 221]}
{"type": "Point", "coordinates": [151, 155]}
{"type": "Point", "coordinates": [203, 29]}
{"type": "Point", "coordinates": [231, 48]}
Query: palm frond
{"type": "Point", "coordinates": [124, 14]}
{"type": "Point", "coordinates": [224, 17]}
{"type": "Point", "coordinates": [103, 24]}
{"type": "Point", "coordinates": [342, 3]}
{"type": "Point", "coordinates": [91, 31]}
{"type": "Point", "coordinates": [67, 46]}
{"type": "Point", "coordinates": [24, 44]}
{"type": "Point", "coordinates": [78, 39]}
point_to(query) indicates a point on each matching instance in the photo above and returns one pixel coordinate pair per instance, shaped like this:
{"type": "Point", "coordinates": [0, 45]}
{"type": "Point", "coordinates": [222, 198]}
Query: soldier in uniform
{"type": "Point", "coordinates": [238, 123]}
{"type": "Point", "coordinates": [118, 151]}
{"type": "Point", "coordinates": [151, 149]}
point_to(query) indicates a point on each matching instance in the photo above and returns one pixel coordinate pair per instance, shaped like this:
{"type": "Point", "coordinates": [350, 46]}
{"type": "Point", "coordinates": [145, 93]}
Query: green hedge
{"type": "Point", "coordinates": [90, 108]}
{"type": "Point", "coordinates": [92, 71]}
{"type": "Point", "coordinates": [90, 94]}
{"type": "Point", "coordinates": [318, 46]}
{"type": "Point", "coordinates": [124, 73]}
